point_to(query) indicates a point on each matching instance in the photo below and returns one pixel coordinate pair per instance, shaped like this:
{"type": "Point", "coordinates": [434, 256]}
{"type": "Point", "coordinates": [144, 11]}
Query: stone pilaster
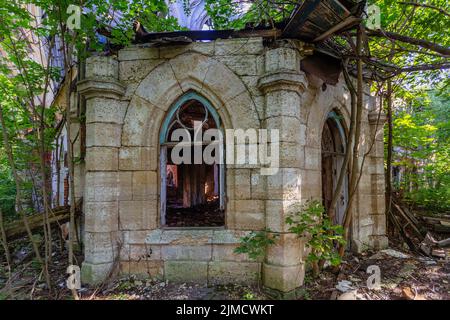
{"type": "Point", "coordinates": [379, 239]}
{"type": "Point", "coordinates": [283, 84]}
{"type": "Point", "coordinates": [104, 117]}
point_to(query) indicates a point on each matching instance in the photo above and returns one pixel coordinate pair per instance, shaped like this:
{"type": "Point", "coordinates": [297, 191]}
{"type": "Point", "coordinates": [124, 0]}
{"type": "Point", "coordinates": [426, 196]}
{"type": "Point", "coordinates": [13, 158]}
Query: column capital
{"type": "Point", "coordinates": [108, 88]}
{"type": "Point", "coordinates": [283, 80]}
{"type": "Point", "coordinates": [376, 117]}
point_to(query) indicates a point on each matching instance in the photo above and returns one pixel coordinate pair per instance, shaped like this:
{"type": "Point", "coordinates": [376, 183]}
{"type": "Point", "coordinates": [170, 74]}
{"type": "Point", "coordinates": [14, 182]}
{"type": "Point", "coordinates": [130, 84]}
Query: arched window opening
{"type": "Point", "coordinates": [192, 192]}
{"type": "Point", "coordinates": [333, 153]}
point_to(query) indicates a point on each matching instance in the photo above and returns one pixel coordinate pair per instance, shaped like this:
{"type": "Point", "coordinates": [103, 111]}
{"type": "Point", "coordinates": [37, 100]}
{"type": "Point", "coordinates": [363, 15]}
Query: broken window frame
{"type": "Point", "coordinates": [164, 144]}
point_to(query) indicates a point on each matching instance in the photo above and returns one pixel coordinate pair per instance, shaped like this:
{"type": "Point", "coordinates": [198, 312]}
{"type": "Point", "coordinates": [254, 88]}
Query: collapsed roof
{"type": "Point", "coordinates": [313, 21]}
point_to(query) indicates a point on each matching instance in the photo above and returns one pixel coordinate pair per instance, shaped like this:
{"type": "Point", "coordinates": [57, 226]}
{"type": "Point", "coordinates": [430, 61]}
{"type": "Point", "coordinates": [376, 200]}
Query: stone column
{"type": "Point", "coordinates": [378, 239]}
{"type": "Point", "coordinates": [283, 84]}
{"type": "Point", "coordinates": [104, 117]}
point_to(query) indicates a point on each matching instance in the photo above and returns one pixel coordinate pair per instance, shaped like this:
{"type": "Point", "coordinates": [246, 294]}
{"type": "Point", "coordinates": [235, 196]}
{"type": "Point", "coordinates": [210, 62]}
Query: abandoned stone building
{"type": "Point", "coordinates": [147, 216]}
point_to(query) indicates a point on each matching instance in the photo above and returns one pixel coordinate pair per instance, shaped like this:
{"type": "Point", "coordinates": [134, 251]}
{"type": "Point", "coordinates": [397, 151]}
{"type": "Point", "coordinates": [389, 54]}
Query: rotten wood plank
{"type": "Point", "coordinates": [299, 18]}
{"type": "Point", "coordinates": [337, 7]}
{"type": "Point", "coordinates": [58, 215]}
{"type": "Point", "coordinates": [310, 31]}
{"type": "Point", "coordinates": [324, 17]}
{"type": "Point", "coordinates": [408, 219]}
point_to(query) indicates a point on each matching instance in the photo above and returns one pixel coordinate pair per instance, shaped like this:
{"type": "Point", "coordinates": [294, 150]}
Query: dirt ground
{"type": "Point", "coordinates": [403, 276]}
{"type": "Point", "coordinates": [410, 277]}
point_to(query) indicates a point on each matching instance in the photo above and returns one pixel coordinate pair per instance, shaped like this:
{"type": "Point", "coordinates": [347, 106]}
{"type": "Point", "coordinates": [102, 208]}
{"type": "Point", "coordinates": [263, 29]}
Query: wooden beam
{"type": "Point", "coordinates": [60, 215]}
{"type": "Point", "coordinates": [348, 21]}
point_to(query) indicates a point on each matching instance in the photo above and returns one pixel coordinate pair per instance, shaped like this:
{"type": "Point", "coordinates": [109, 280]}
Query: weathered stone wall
{"type": "Point", "coordinates": [250, 86]}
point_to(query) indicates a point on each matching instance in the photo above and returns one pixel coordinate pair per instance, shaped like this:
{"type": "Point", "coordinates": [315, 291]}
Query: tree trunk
{"type": "Point", "coordinates": [46, 225]}
{"type": "Point", "coordinates": [4, 240]}
{"type": "Point", "coordinates": [58, 172]}
{"type": "Point", "coordinates": [349, 143]}
{"type": "Point", "coordinates": [68, 61]}
{"type": "Point", "coordinates": [355, 163]}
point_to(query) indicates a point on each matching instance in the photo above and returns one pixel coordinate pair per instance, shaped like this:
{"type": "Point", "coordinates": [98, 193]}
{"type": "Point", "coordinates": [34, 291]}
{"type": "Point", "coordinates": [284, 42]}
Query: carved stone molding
{"type": "Point", "coordinates": [91, 88]}
{"type": "Point", "coordinates": [375, 117]}
{"type": "Point", "coordinates": [283, 80]}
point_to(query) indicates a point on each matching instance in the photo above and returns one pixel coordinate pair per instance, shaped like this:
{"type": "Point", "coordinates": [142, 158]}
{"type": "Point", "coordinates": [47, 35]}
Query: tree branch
{"type": "Point", "coordinates": [424, 67]}
{"type": "Point", "coordinates": [429, 6]}
{"type": "Point", "coordinates": [418, 42]}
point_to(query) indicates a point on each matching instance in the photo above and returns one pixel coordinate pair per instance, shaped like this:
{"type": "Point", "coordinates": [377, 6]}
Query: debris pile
{"type": "Point", "coordinates": [423, 234]}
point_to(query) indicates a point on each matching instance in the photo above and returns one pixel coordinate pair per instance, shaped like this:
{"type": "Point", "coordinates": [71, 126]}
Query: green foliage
{"type": "Point", "coordinates": [415, 22]}
{"type": "Point", "coordinates": [322, 235]}
{"type": "Point", "coordinates": [255, 244]}
{"type": "Point", "coordinates": [422, 149]}
{"type": "Point", "coordinates": [153, 15]}
{"type": "Point", "coordinates": [226, 14]}
{"type": "Point", "coordinates": [421, 100]}
{"type": "Point", "coordinates": [304, 293]}
{"type": "Point", "coordinates": [249, 296]}
{"type": "Point", "coordinates": [36, 265]}
{"type": "Point", "coordinates": [7, 190]}
{"type": "Point", "coordinates": [26, 33]}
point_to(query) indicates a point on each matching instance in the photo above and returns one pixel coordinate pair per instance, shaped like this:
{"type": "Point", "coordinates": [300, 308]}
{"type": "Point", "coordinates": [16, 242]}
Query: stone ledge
{"type": "Point", "coordinates": [194, 237]}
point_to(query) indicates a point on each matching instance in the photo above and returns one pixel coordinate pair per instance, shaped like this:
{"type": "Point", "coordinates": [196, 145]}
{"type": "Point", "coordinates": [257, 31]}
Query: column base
{"type": "Point", "coordinates": [379, 242]}
{"type": "Point", "coordinates": [283, 279]}
{"type": "Point", "coordinates": [279, 295]}
{"type": "Point", "coordinates": [96, 273]}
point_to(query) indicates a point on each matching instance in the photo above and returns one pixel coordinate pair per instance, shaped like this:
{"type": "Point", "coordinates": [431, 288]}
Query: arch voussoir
{"type": "Point", "coordinates": [187, 72]}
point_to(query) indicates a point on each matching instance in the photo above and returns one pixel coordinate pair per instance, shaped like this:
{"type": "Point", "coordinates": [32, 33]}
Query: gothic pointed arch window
{"type": "Point", "coordinates": [192, 184]}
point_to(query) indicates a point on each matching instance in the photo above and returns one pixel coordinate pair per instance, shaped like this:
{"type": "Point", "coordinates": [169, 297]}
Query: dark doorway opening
{"type": "Point", "coordinates": [333, 153]}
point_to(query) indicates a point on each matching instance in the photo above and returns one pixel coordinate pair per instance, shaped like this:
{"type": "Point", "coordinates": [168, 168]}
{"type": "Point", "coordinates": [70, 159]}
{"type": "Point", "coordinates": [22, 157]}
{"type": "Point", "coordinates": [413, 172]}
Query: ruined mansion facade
{"type": "Point", "coordinates": [136, 200]}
